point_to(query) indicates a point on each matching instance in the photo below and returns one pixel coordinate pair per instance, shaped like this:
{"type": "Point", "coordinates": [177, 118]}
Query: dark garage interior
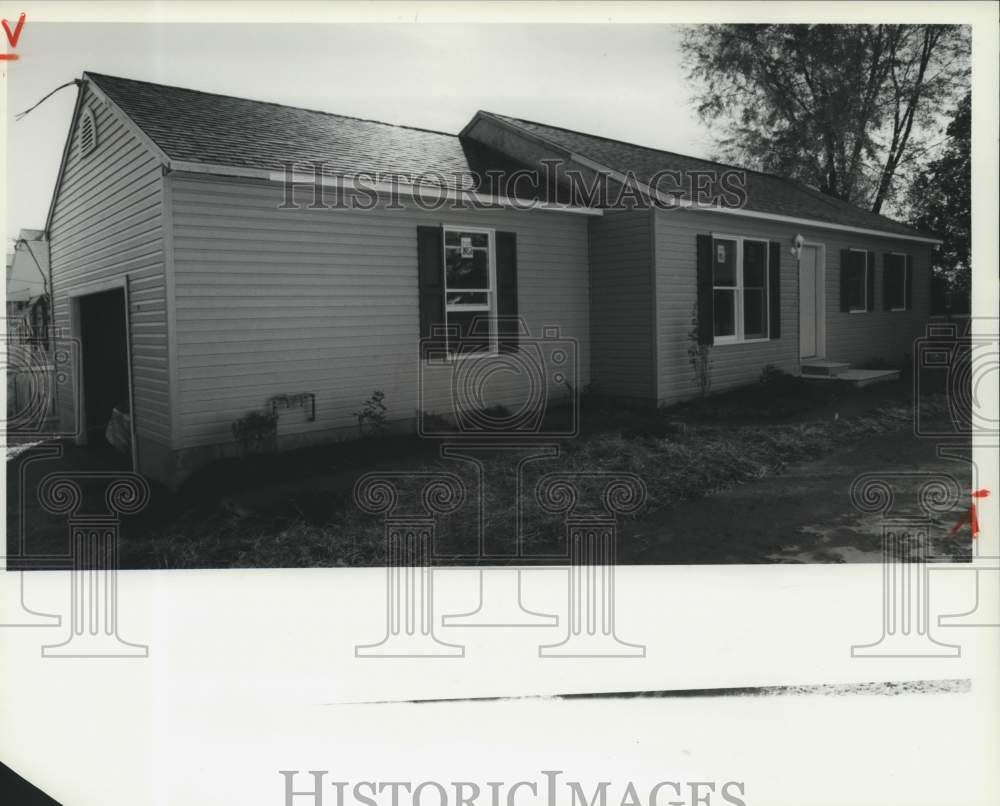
{"type": "Point", "coordinates": [105, 362]}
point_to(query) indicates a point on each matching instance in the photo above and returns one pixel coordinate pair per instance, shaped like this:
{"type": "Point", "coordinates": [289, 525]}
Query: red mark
{"type": "Point", "coordinates": [12, 36]}
{"type": "Point", "coordinates": [972, 518]}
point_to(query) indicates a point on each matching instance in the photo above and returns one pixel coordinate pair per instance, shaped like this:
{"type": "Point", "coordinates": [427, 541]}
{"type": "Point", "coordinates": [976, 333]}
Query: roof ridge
{"type": "Point", "coordinates": [269, 103]}
{"type": "Point", "coordinates": [640, 145]}
{"type": "Point", "coordinates": [831, 201]}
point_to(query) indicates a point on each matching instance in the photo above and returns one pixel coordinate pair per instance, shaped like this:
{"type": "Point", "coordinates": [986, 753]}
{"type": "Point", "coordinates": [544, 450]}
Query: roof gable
{"type": "Point", "coordinates": [766, 193]}
{"type": "Point", "coordinates": [201, 127]}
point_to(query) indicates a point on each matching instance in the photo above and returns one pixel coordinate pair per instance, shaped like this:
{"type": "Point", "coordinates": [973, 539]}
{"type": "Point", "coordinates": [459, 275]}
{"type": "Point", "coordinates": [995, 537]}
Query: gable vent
{"type": "Point", "coordinates": [88, 133]}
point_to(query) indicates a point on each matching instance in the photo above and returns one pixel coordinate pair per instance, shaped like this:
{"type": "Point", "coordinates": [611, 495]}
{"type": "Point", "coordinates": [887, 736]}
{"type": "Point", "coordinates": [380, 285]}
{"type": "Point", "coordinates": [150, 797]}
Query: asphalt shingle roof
{"type": "Point", "coordinates": [766, 193]}
{"type": "Point", "coordinates": [200, 127]}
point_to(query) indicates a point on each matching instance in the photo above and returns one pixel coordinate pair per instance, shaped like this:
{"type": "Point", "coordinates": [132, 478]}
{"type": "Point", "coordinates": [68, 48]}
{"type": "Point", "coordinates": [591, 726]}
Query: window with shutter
{"type": "Point", "coordinates": [738, 272]}
{"type": "Point", "coordinates": [468, 289]}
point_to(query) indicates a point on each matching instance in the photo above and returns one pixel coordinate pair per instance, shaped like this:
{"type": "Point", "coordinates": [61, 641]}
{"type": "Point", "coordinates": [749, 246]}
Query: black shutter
{"type": "Point", "coordinates": [845, 268]}
{"type": "Point", "coordinates": [935, 293]}
{"type": "Point", "coordinates": [774, 289]}
{"type": "Point", "coordinates": [507, 325]}
{"type": "Point", "coordinates": [430, 274]}
{"type": "Point", "coordinates": [706, 326]}
{"type": "Point", "coordinates": [886, 280]}
{"type": "Point", "coordinates": [909, 282]}
{"type": "Point", "coordinates": [871, 280]}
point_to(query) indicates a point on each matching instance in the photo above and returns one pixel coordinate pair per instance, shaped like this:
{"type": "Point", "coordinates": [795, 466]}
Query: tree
{"type": "Point", "coordinates": [940, 202]}
{"type": "Point", "coordinates": [845, 108]}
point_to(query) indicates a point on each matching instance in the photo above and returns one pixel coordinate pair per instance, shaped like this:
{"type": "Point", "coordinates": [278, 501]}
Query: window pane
{"type": "Point", "coordinates": [466, 272]}
{"type": "Point", "coordinates": [473, 332]}
{"type": "Point", "coordinates": [754, 264]}
{"type": "Point", "coordinates": [724, 262]}
{"type": "Point", "coordinates": [754, 314]}
{"type": "Point", "coordinates": [468, 298]}
{"type": "Point", "coordinates": [478, 240]}
{"type": "Point", "coordinates": [856, 281]}
{"type": "Point", "coordinates": [725, 313]}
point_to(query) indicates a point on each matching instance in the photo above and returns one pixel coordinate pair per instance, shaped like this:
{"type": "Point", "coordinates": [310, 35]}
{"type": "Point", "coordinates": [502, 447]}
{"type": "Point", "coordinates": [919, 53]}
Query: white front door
{"type": "Point", "coordinates": [809, 310]}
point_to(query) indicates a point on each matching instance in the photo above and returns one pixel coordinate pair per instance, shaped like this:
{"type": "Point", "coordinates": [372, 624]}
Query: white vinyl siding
{"type": "Point", "coordinates": [273, 302]}
{"type": "Point", "coordinates": [622, 305]}
{"type": "Point", "coordinates": [855, 339]}
{"type": "Point", "coordinates": [107, 224]}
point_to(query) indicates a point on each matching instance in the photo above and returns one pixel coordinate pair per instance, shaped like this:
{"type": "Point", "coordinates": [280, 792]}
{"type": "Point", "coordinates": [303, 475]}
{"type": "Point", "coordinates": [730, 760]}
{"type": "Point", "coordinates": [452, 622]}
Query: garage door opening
{"type": "Point", "coordinates": [107, 396]}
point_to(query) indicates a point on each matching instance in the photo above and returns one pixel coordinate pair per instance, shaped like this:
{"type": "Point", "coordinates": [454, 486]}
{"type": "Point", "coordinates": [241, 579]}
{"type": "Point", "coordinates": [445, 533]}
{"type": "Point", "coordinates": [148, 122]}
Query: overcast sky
{"type": "Point", "coordinates": [625, 82]}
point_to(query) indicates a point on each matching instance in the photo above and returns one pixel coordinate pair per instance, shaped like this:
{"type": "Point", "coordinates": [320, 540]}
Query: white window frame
{"type": "Point", "coordinates": [490, 307]}
{"type": "Point", "coordinates": [864, 285]}
{"type": "Point", "coordinates": [738, 337]}
{"type": "Point", "coordinates": [905, 280]}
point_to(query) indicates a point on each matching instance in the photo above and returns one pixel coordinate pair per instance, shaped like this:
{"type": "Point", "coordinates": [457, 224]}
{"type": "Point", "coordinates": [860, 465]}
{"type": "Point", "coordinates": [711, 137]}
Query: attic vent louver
{"type": "Point", "coordinates": [88, 133]}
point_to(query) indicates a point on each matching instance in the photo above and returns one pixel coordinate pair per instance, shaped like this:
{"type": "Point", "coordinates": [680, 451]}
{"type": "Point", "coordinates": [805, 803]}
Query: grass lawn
{"type": "Point", "coordinates": [296, 509]}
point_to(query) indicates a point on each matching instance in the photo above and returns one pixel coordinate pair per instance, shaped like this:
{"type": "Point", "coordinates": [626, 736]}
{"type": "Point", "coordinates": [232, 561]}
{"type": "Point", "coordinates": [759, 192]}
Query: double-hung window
{"type": "Point", "coordinates": [470, 291]}
{"type": "Point", "coordinates": [739, 289]}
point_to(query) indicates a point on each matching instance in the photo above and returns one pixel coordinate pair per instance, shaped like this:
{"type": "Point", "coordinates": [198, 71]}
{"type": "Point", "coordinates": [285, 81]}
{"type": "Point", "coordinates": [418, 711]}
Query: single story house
{"type": "Point", "coordinates": [204, 253]}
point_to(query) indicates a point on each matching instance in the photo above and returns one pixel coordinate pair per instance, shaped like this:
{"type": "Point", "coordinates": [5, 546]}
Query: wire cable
{"type": "Point", "coordinates": [76, 81]}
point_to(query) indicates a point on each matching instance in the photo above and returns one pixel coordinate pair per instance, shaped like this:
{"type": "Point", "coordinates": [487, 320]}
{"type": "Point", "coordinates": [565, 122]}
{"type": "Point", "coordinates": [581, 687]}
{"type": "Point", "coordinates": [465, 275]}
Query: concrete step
{"type": "Point", "coordinates": [822, 367]}
{"type": "Point", "coordinates": [858, 377]}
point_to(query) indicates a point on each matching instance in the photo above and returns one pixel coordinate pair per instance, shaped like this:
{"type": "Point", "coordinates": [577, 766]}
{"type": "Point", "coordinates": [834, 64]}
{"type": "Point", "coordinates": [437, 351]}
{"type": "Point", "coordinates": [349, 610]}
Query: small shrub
{"type": "Point", "coordinates": [255, 430]}
{"type": "Point", "coordinates": [372, 420]}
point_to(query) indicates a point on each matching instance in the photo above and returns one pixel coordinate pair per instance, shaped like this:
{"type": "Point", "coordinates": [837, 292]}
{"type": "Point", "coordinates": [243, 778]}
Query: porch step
{"type": "Point", "coordinates": [858, 377]}
{"type": "Point", "coordinates": [866, 377]}
{"type": "Point", "coordinates": [823, 368]}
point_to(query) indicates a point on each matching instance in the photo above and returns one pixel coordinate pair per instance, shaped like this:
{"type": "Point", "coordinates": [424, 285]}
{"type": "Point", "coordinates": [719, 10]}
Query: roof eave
{"type": "Point", "coordinates": [269, 175]}
{"type": "Point", "coordinates": [686, 204]}
{"type": "Point", "coordinates": [816, 223]}
{"type": "Point", "coordinates": [65, 157]}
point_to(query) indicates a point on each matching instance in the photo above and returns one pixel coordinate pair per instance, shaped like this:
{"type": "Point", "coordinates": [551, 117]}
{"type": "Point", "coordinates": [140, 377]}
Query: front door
{"type": "Point", "coordinates": [809, 311]}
